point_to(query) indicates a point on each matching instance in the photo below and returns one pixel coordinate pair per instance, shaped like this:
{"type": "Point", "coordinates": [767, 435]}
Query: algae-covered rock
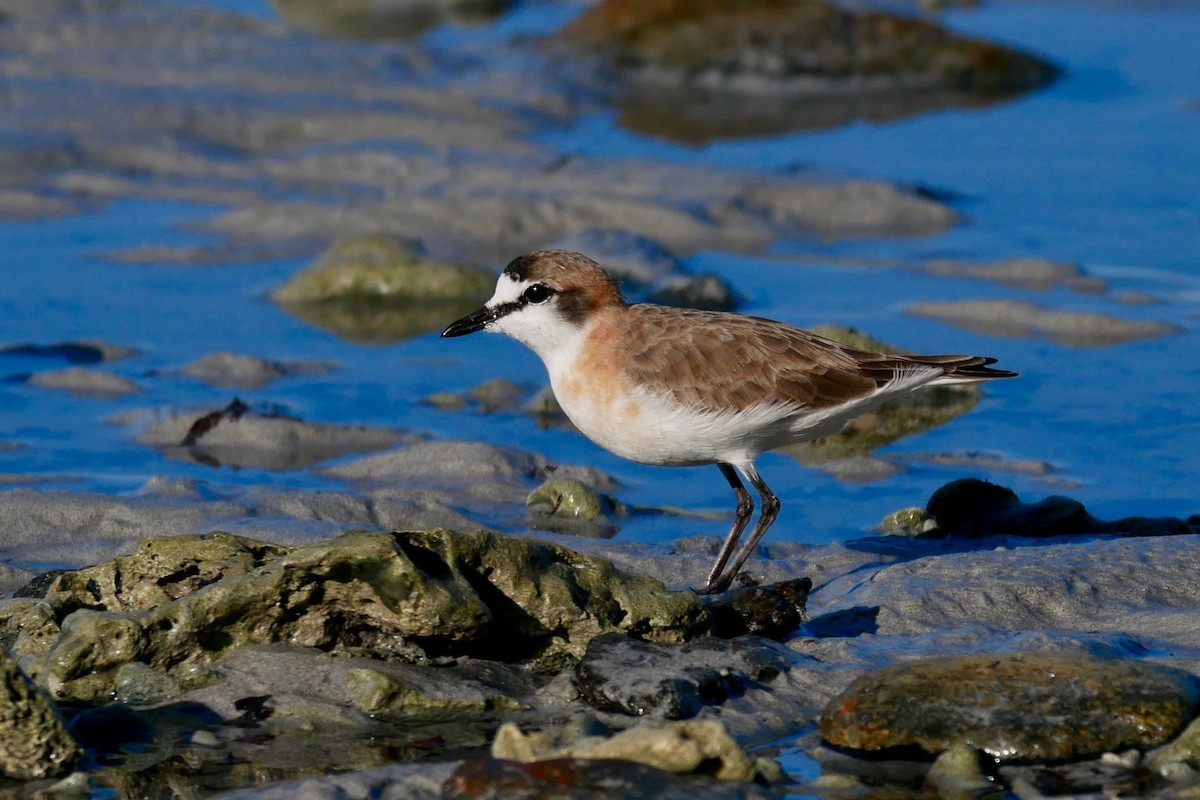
{"type": "Point", "coordinates": [380, 19]}
{"type": "Point", "coordinates": [693, 746]}
{"type": "Point", "coordinates": [567, 505]}
{"type": "Point", "coordinates": [420, 694]}
{"type": "Point", "coordinates": [34, 741]}
{"type": "Point", "coordinates": [737, 67]}
{"type": "Point", "coordinates": [779, 40]}
{"type": "Point", "coordinates": [372, 288]}
{"type": "Point", "coordinates": [1022, 707]}
{"type": "Point", "coordinates": [895, 419]}
{"type": "Point", "coordinates": [161, 569]}
{"type": "Point", "coordinates": [449, 593]}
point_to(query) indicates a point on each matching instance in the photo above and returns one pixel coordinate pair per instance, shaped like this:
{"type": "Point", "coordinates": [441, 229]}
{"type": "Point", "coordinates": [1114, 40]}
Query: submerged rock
{"type": "Point", "coordinates": [1020, 320]}
{"type": "Point", "coordinates": [249, 372]}
{"type": "Point", "coordinates": [373, 288]}
{"type": "Point", "coordinates": [1038, 274]}
{"type": "Point", "coordinates": [243, 437]}
{"type": "Point", "coordinates": [849, 208]}
{"type": "Point", "coordinates": [1022, 707]}
{"type": "Point", "coordinates": [34, 741]}
{"type": "Point", "coordinates": [438, 591]}
{"type": "Point", "coordinates": [639, 678]}
{"type": "Point", "coordinates": [586, 779]}
{"type": "Point", "coordinates": [80, 352]}
{"type": "Point", "coordinates": [85, 382]}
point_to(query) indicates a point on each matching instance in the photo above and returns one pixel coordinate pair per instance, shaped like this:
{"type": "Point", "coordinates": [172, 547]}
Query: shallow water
{"type": "Point", "coordinates": [1102, 169]}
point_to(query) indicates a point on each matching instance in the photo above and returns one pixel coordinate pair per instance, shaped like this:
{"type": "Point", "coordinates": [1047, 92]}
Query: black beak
{"type": "Point", "coordinates": [475, 321]}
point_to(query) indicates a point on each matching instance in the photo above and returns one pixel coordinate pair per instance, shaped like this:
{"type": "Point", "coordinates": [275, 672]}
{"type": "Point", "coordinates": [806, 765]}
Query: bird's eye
{"type": "Point", "coordinates": [538, 293]}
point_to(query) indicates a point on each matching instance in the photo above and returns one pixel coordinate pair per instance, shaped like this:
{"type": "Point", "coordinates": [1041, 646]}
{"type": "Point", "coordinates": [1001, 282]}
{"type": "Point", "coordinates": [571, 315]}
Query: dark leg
{"type": "Point", "coordinates": [770, 510]}
{"type": "Point", "coordinates": [745, 507]}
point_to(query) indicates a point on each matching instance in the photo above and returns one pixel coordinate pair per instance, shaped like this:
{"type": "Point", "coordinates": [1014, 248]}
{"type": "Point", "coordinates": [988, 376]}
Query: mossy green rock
{"type": "Point", "coordinates": [34, 741]}
{"type": "Point", "coordinates": [381, 267]}
{"type": "Point", "coordinates": [1014, 707]}
{"type": "Point", "coordinates": [566, 497]}
{"type": "Point", "coordinates": [373, 288]}
{"type": "Point", "coordinates": [444, 592]}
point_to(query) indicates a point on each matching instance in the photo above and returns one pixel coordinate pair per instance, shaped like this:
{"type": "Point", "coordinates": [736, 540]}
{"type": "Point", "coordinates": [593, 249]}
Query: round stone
{"type": "Point", "coordinates": [1017, 706]}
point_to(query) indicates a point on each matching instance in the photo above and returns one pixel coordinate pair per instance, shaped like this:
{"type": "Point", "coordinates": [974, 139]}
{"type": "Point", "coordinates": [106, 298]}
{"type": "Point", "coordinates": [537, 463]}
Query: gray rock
{"type": "Point", "coordinates": [249, 372]}
{"type": "Point", "coordinates": [1020, 320]}
{"type": "Point", "coordinates": [1038, 274]}
{"type": "Point", "coordinates": [849, 208]}
{"type": "Point", "coordinates": [241, 438]}
{"type": "Point", "coordinates": [85, 382]}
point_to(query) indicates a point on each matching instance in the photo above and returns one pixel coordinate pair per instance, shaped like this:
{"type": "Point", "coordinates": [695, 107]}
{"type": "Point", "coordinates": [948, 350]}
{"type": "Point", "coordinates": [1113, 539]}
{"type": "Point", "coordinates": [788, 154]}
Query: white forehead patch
{"type": "Point", "coordinates": [508, 290]}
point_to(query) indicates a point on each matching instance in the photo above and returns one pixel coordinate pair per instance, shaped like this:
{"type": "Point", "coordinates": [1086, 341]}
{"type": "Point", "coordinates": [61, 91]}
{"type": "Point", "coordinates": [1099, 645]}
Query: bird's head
{"type": "Point", "coordinates": [542, 298]}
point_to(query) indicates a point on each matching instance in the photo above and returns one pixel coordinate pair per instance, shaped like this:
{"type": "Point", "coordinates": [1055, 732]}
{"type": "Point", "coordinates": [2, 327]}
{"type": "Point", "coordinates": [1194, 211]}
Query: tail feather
{"type": "Point", "coordinates": [965, 369]}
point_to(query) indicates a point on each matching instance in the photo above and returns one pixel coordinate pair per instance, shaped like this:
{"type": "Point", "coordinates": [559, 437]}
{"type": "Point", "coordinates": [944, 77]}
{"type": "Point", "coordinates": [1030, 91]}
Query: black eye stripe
{"type": "Point", "coordinates": [537, 293]}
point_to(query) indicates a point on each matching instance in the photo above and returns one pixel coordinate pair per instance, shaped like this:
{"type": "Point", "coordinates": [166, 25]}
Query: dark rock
{"type": "Point", "coordinates": [1024, 707]}
{"type": "Point", "coordinates": [640, 678]}
{"type": "Point", "coordinates": [973, 508]}
{"type": "Point", "coordinates": [585, 779]}
{"type": "Point", "coordinates": [707, 291]}
{"type": "Point", "coordinates": [82, 353]}
{"type": "Point", "coordinates": [772, 611]}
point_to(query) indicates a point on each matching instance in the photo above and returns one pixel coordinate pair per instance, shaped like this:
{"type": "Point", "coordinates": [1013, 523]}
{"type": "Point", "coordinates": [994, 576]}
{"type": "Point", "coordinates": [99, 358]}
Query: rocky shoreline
{"type": "Point", "coordinates": [1060, 654]}
{"type": "Point", "coordinates": [374, 637]}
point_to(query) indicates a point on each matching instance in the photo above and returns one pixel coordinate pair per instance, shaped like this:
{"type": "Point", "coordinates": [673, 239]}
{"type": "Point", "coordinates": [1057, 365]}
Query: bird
{"type": "Point", "coordinates": [684, 387]}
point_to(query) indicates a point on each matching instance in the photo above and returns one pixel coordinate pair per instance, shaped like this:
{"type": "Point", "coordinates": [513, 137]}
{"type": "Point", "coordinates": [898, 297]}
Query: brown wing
{"type": "Point", "coordinates": [716, 360]}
